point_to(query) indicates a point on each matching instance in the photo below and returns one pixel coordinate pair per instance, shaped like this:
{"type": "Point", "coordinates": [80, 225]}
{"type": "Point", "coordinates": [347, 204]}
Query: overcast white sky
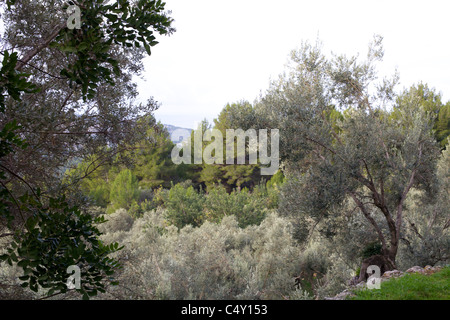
{"type": "Point", "coordinates": [226, 51]}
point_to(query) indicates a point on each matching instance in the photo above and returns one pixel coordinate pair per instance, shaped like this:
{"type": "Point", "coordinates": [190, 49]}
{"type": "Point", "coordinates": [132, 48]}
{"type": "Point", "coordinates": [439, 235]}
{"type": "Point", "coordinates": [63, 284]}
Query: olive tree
{"type": "Point", "coordinates": [338, 141]}
{"type": "Point", "coordinates": [64, 94]}
{"type": "Point", "coordinates": [87, 100]}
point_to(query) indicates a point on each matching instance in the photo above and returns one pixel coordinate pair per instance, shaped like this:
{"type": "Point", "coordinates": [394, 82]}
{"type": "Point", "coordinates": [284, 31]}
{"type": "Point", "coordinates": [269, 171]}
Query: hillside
{"type": "Point", "coordinates": [185, 132]}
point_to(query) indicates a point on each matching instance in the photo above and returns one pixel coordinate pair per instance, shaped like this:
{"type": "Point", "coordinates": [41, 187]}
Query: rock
{"type": "Point", "coordinates": [430, 270]}
{"type": "Point", "coordinates": [392, 274]}
{"type": "Point", "coordinates": [385, 277]}
{"type": "Point", "coordinates": [341, 296]}
{"type": "Point", "coordinates": [416, 269]}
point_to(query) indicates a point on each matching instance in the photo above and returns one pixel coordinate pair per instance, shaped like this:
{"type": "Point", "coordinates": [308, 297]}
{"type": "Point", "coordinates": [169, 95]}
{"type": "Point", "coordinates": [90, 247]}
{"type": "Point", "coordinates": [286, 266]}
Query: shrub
{"type": "Point", "coordinates": [371, 249]}
{"type": "Point", "coordinates": [184, 206]}
{"type": "Point", "coordinates": [145, 195]}
{"type": "Point", "coordinates": [213, 261]}
{"type": "Point", "coordinates": [160, 196]}
{"type": "Point", "coordinates": [120, 220]}
{"type": "Point", "coordinates": [99, 192]}
{"type": "Point", "coordinates": [249, 208]}
{"type": "Point", "coordinates": [135, 210]}
{"type": "Point", "coordinates": [124, 190]}
{"type": "Point", "coordinates": [252, 209]}
{"type": "Point", "coordinates": [218, 204]}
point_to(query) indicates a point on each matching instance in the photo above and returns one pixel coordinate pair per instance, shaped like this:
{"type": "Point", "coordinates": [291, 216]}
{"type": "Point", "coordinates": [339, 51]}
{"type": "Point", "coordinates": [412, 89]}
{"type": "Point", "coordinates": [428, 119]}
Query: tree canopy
{"type": "Point", "coordinates": [362, 154]}
{"type": "Point", "coordinates": [67, 94]}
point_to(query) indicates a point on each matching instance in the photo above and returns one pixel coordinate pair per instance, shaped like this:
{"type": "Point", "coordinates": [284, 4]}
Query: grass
{"type": "Point", "coordinates": [411, 287]}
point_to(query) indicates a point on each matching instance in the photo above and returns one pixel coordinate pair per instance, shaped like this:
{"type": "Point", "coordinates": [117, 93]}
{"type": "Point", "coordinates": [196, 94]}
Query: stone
{"type": "Point", "coordinates": [385, 277]}
{"type": "Point", "coordinates": [341, 296]}
{"type": "Point", "coordinates": [392, 274]}
{"type": "Point", "coordinates": [416, 269]}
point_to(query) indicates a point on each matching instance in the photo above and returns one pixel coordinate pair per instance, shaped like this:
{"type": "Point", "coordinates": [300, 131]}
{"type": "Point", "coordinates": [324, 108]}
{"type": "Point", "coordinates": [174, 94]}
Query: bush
{"type": "Point", "coordinates": [371, 249]}
{"type": "Point", "coordinates": [184, 206]}
{"type": "Point", "coordinates": [145, 195]}
{"type": "Point", "coordinates": [249, 208]}
{"type": "Point", "coordinates": [120, 220]}
{"type": "Point", "coordinates": [99, 192]}
{"type": "Point", "coordinates": [214, 261]}
{"type": "Point", "coordinates": [124, 190]}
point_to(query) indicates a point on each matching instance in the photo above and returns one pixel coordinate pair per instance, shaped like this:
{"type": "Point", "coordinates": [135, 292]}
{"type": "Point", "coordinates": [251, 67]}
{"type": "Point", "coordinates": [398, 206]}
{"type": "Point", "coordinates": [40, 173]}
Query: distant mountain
{"type": "Point", "coordinates": [178, 134]}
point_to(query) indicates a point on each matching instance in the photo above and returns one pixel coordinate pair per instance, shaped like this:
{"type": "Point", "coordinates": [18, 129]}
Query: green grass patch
{"type": "Point", "coordinates": [411, 287]}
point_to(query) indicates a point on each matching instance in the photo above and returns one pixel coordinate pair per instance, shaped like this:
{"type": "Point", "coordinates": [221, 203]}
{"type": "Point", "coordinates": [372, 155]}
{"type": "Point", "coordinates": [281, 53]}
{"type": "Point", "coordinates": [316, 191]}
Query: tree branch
{"type": "Point", "coordinates": [405, 193]}
{"type": "Point", "coordinates": [32, 53]}
{"type": "Point", "coordinates": [21, 179]}
{"type": "Point", "coordinates": [371, 220]}
{"type": "Point", "coordinates": [6, 235]}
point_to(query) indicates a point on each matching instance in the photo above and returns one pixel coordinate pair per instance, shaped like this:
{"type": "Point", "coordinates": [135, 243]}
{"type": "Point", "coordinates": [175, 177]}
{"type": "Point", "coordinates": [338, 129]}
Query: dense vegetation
{"type": "Point", "coordinates": [86, 176]}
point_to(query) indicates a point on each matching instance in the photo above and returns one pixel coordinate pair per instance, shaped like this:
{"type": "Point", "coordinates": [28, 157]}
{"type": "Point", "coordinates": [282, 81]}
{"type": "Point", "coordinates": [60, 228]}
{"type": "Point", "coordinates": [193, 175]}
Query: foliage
{"type": "Point", "coordinates": [213, 261]}
{"type": "Point", "coordinates": [124, 190]}
{"type": "Point", "coordinates": [273, 189]}
{"type": "Point", "coordinates": [92, 184]}
{"type": "Point", "coordinates": [99, 191]}
{"type": "Point", "coordinates": [69, 95]}
{"type": "Point", "coordinates": [52, 237]}
{"type": "Point", "coordinates": [210, 175]}
{"type": "Point", "coordinates": [119, 220]}
{"type": "Point", "coordinates": [12, 83]}
{"type": "Point", "coordinates": [235, 176]}
{"type": "Point", "coordinates": [152, 163]}
{"type": "Point", "coordinates": [430, 101]}
{"type": "Point", "coordinates": [277, 180]}
{"type": "Point", "coordinates": [240, 175]}
{"type": "Point", "coordinates": [104, 25]}
{"type": "Point", "coordinates": [442, 125]}
{"type": "Point", "coordinates": [364, 156]}
{"type": "Point", "coordinates": [248, 208]}
{"type": "Point", "coordinates": [426, 236]}
{"type": "Point", "coordinates": [371, 249]}
{"type": "Point", "coordinates": [184, 206]}
{"type": "Point", "coordinates": [231, 176]}
{"type": "Point", "coordinates": [86, 98]}
{"type": "Point", "coordinates": [56, 237]}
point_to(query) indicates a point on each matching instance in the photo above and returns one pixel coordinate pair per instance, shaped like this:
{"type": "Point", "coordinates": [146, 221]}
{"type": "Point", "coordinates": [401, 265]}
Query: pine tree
{"type": "Point", "coordinates": [124, 190]}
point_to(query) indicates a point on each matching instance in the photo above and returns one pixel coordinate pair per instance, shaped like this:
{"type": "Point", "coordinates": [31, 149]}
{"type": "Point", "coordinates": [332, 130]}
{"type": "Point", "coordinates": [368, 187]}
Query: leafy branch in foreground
{"type": "Point", "coordinates": [46, 239]}
{"type": "Point", "coordinates": [54, 238]}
